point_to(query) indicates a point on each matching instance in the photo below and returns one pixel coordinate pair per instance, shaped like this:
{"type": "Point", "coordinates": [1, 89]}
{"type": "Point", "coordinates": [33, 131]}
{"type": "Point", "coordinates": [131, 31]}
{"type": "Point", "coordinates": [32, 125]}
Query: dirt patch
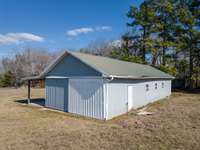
{"type": "Point", "coordinates": [174, 125]}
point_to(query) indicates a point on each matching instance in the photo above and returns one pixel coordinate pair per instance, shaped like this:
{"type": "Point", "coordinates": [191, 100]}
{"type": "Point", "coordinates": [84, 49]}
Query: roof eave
{"type": "Point", "coordinates": [139, 78]}
{"type": "Point", "coordinates": [32, 78]}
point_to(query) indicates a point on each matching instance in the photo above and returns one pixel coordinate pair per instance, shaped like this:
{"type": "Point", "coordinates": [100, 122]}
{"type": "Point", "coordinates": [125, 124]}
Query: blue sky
{"type": "Point", "coordinates": [57, 24]}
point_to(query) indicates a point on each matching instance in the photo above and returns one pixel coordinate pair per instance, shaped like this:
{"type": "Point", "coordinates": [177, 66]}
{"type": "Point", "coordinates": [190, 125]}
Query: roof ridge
{"type": "Point", "coordinates": [115, 59]}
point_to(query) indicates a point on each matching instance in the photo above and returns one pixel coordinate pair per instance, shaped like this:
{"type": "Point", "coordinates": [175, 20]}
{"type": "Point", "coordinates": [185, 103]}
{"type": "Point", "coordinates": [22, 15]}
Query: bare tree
{"type": "Point", "coordinates": [29, 62]}
{"type": "Point", "coordinates": [100, 47]}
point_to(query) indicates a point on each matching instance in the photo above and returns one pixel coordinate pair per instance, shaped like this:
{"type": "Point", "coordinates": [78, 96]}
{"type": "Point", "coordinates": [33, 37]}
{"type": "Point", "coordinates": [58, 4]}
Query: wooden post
{"type": "Point", "coordinates": [29, 92]}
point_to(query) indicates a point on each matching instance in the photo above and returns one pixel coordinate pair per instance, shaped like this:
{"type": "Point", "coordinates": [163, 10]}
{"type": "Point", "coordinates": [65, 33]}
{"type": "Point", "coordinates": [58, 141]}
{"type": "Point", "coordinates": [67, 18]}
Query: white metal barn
{"type": "Point", "coordinates": [101, 87]}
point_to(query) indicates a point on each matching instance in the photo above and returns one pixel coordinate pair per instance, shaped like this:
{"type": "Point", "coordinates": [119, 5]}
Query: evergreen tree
{"type": "Point", "coordinates": [164, 25]}
{"type": "Point", "coordinates": [7, 79]}
{"type": "Point", "coordinates": [129, 51]}
{"type": "Point", "coordinates": [167, 30]}
{"type": "Point", "coordinates": [142, 21]}
{"type": "Point", "coordinates": [188, 32]}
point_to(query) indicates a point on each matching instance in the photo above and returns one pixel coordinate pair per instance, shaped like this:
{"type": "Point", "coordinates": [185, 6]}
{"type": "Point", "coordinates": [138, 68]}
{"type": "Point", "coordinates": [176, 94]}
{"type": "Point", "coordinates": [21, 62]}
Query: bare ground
{"type": "Point", "coordinates": [175, 125]}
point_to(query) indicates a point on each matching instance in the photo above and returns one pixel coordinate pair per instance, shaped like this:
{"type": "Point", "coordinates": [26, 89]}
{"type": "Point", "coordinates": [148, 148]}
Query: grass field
{"type": "Point", "coordinates": [175, 125]}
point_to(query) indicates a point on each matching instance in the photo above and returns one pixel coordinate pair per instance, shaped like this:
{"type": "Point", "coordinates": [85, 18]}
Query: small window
{"type": "Point", "coordinates": [162, 85]}
{"type": "Point", "coordinates": [147, 87]}
{"type": "Point", "coordinates": [156, 86]}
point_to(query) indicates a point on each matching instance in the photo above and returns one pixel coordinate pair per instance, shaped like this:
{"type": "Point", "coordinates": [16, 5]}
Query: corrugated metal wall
{"type": "Point", "coordinates": [57, 94]}
{"type": "Point", "coordinates": [71, 66]}
{"type": "Point", "coordinates": [86, 97]}
{"type": "Point", "coordinates": [101, 99]}
{"type": "Point", "coordinates": [117, 94]}
{"type": "Point", "coordinates": [116, 99]}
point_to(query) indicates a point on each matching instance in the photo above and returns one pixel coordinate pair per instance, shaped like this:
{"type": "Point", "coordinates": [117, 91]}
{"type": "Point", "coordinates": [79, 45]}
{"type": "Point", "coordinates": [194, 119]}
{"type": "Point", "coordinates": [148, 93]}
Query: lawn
{"type": "Point", "coordinates": [175, 124]}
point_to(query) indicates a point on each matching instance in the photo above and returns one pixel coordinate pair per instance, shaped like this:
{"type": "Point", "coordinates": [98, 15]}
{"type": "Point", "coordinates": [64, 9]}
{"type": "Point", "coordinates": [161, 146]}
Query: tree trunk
{"type": "Point", "coordinates": [164, 41]}
{"type": "Point", "coordinates": [164, 53]}
{"type": "Point", "coordinates": [154, 60]}
{"type": "Point", "coordinates": [144, 44]}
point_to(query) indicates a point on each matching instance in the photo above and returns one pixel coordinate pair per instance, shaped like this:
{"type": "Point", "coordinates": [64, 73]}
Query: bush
{"type": "Point", "coordinates": [7, 79]}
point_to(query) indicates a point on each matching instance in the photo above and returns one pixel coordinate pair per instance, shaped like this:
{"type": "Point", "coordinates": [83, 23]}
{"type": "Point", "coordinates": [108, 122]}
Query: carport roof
{"type": "Point", "coordinates": [113, 67]}
{"type": "Point", "coordinates": [32, 78]}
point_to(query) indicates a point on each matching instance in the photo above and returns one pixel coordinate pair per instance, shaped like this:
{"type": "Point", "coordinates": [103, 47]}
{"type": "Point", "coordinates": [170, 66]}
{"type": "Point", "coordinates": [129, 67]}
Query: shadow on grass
{"type": "Point", "coordinates": [188, 91]}
{"type": "Point", "coordinates": [35, 101]}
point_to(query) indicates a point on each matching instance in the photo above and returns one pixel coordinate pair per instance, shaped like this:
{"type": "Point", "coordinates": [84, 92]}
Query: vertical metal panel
{"type": "Point", "coordinates": [57, 94]}
{"type": "Point", "coordinates": [117, 94]}
{"type": "Point", "coordinates": [116, 99]}
{"type": "Point", "coordinates": [71, 66]}
{"type": "Point", "coordinates": [86, 97]}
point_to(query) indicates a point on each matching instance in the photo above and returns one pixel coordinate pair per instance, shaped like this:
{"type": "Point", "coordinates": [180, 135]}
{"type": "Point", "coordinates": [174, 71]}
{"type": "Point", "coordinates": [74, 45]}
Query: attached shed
{"type": "Point", "coordinates": [101, 87]}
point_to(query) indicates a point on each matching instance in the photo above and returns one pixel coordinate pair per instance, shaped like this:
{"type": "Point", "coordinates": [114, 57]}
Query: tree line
{"type": "Point", "coordinates": [29, 62]}
{"type": "Point", "coordinates": [164, 34]}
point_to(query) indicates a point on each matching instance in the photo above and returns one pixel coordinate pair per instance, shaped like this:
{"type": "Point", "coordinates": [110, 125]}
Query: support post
{"type": "Point", "coordinates": [29, 92]}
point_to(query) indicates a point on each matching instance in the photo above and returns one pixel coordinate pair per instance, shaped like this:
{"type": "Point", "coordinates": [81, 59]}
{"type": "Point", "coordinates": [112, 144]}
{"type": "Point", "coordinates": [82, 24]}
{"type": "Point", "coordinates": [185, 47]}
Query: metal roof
{"type": "Point", "coordinates": [112, 67]}
{"type": "Point", "coordinates": [118, 68]}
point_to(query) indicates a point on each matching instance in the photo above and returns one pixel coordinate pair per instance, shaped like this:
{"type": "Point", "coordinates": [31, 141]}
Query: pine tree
{"type": "Point", "coordinates": [129, 51]}
{"type": "Point", "coordinates": [142, 19]}
{"type": "Point", "coordinates": [164, 25]}
{"type": "Point", "coordinates": [188, 32]}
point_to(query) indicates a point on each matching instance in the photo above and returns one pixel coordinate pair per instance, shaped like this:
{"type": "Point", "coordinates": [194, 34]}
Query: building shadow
{"type": "Point", "coordinates": [35, 101]}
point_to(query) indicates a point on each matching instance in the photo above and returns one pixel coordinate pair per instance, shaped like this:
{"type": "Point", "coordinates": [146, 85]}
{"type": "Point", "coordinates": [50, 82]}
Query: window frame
{"type": "Point", "coordinates": [156, 86]}
{"type": "Point", "coordinates": [163, 84]}
{"type": "Point", "coordinates": [147, 87]}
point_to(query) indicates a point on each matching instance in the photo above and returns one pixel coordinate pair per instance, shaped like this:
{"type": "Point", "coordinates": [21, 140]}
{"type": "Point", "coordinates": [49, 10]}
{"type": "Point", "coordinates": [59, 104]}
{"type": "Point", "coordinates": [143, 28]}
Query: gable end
{"type": "Point", "coordinates": [71, 66]}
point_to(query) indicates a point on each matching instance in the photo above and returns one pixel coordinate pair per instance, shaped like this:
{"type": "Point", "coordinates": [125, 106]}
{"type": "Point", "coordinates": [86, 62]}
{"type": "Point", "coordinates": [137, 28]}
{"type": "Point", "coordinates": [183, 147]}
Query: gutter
{"type": "Point", "coordinates": [135, 78]}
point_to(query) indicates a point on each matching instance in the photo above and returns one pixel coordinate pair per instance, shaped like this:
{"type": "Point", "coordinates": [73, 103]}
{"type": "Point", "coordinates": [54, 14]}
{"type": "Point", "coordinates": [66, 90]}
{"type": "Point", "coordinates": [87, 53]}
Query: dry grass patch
{"type": "Point", "coordinates": [175, 125]}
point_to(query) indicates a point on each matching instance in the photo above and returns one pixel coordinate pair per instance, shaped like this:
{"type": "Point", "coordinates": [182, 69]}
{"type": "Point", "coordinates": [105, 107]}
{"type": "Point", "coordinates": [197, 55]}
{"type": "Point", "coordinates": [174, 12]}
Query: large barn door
{"type": "Point", "coordinates": [57, 93]}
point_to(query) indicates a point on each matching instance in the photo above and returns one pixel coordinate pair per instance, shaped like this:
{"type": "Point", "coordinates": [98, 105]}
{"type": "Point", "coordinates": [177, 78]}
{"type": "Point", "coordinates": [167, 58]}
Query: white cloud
{"type": "Point", "coordinates": [14, 38]}
{"type": "Point", "coordinates": [78, 31]}
{"type": "Point", "coordinates": [85, 30]}
{"type": "Point", "coordinates": [103, 28]}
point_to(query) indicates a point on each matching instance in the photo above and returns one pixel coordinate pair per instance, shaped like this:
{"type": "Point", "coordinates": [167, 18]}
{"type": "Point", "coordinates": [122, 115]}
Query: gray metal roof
{"type": "Point", "coordinates": [112, 67]}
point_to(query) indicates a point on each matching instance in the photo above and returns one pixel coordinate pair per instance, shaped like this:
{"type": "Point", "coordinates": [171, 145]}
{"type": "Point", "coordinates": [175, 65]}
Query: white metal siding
{"type": "Point", "coordinates": [86, 97]}
{"type": "Point", "coordinates": [117, 95]}
{"type": "Point", "coordinates": [142, 97]}
{"type": "Point", "coordinates": [56, 94]}
{"type": "Point", "coordinates": [116, 99]}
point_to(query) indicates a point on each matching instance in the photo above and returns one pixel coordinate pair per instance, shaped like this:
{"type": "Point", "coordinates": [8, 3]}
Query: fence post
{"type": "Point", "coordinates": [29, 92]}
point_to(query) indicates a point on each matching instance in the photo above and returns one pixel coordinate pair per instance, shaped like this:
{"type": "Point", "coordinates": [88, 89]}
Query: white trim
{"type": "Point", "coordinates": [56, 77]}
{"type": "Point", "coordinates": [74, 77]}
{"type": "Point", "coordinates": [106, 100]}
{"type": "Point", "coordinates": [132, 77]}
{"type": "Point", "coordinates": [87, 77]}
{"type": "Point", "coordinates": [105, 95]}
